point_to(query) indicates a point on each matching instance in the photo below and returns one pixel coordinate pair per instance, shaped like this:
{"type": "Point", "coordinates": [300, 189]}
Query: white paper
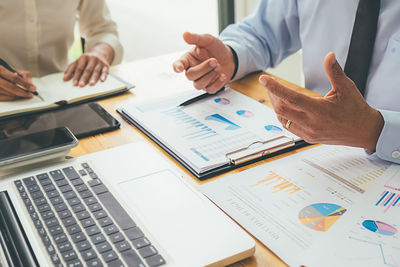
{"type": "Point", "coordinates": [294, 205]}
{"type": "Point", "coordinates": [52, 89]}
{"type": "Point", "coordinates": [204, 132]}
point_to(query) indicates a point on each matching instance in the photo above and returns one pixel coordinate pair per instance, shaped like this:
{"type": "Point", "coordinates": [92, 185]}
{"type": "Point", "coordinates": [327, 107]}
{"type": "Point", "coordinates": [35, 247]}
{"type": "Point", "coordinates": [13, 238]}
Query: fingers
{"type": "Point", "coordinates": [87, 72]}
{"type": "Point", "coordinates": [296, 99]}
{"type": "Point", "coordinates": [206, 80]}
{"type": "Point", "coordinates": [69, 72]}
{"type": "Point", "coordinates": [89, 68]}
{"type": "Point", "coordinates": [201, 40]}
{"type": "Point", "coordinates": [8, 98]}
{"type": "Point", "coordinates": [95, 75]}
{"type": "Point", "coordinates": [16, 79]}
{"type": "Point", "coordinates": [297, 129]}
{"type": "Point", "coordinates": [217, 84]}
{"type": "Point", "coordinates": [202, 69]}
{"type": "Point", "coordinates": [80, 66]}
{"type": "Point", "coordinates": [11, 89]}
{"type": "Point", "coordinates": [185, 62]}
{"type": "Point", "coordinates": [335, 73]}
{"type": "Point", "coordinates": [104, 74]}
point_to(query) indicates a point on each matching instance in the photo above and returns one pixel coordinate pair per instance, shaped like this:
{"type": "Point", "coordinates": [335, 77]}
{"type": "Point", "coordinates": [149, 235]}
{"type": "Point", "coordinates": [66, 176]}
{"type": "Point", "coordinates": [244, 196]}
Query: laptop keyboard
{"type": "Point", "coordinates": [81, 223]}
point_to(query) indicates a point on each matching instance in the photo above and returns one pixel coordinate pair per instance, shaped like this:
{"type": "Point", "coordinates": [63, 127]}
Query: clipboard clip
{"type": "Point", "coordinates": [259, 149]}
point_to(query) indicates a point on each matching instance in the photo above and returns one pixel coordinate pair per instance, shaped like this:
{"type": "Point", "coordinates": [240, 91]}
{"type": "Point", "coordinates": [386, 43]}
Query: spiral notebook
{"type": "Point", "coordinates": [213, 135]}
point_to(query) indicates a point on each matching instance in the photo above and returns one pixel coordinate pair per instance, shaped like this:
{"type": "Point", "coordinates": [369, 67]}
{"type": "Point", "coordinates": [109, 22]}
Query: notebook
{"type": "Point", "coordinates": [213, 135]}
{"type": "Point", "coordinates": [56, 93]}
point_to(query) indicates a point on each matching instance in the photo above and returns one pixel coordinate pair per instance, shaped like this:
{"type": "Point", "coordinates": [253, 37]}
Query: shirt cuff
{"type": "Point", "coordinates": [388, 146]}
{"type": "Point", "coordinates": [241, 52]}
{"type": "Point", "coordinates": [112, 41]}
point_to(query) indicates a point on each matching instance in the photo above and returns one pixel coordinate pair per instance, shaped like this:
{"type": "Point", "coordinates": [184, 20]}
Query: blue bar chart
{"type": "Point", "coordinates": [192, 128]}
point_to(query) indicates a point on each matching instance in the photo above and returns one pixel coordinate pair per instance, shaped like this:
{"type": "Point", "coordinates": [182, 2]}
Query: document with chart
{"type": "Point", "coordinates": [370, 235]}
{"type": "Point", "coordinates": [213, 132]}
{"type": "Point", "coordinates": [307, 206]}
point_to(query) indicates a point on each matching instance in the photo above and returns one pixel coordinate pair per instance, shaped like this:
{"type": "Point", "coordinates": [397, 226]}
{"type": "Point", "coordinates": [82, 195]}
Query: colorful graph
{"type": "Point", "coordinates": [321, 216]}
{"type": "Point", "coordinates": [379, 227]}
{"type": "Point", "coordinates": [245, 113]}
{"type": "Point", "coordinates": [190, 127]}
{"type": "Point", "coordinates": [342, 165]}
{"type": "Point", "coordinates": [278, 184]}
{"type": "Point", "coordinates": [273, 129]}
{"type": "Point", "coordinates": [219, 118]}
{"type": "Point", "coordinates": [388, 200]}
{"type": "Point", "coordinates": [223, 101]}
{"type": "Point", "coordinates": [394, 182]}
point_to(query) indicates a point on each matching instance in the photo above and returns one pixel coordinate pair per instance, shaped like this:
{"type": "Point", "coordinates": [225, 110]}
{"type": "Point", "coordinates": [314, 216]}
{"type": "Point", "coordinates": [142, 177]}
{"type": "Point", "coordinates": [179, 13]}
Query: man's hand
{"type": "Point", "coordinates": [341, 117]}
{"type": "Point", "coordinates": [14, 86]}
{"type": "Point", "coordinates": [210, 65]}
{"type": "Point", "coordinates": [91, 66]}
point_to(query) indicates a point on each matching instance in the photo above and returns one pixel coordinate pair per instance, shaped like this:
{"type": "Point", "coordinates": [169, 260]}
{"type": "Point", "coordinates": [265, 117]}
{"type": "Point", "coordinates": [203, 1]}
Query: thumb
{"type": "Point", "coordinates": [201, 40]}
{"type": "Point", "coordinates": [335, 73]}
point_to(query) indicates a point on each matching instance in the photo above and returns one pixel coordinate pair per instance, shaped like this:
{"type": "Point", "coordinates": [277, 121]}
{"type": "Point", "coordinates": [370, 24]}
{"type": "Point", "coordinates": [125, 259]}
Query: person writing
{"type": "Point", "coordinates": [360, 104]}
{"type": "Point", "coordinates": [38, 34]}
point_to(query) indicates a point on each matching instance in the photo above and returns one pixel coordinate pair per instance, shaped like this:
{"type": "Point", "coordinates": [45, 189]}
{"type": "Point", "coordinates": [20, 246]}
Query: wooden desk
{"type": "Point", "coordinates": [128, 134]}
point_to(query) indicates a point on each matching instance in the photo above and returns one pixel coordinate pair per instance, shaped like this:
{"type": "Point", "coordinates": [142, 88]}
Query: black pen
{"type": "Point", "coordinates": [200, 97]}
{"type": "Point", "coordinates": [8, 67]}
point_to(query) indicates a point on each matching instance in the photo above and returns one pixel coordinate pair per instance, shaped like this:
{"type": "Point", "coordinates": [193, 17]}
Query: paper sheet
{"type": "Point", "coordinates": [296, 204]}
{"type": "Point", "coordinates": [204, 132]}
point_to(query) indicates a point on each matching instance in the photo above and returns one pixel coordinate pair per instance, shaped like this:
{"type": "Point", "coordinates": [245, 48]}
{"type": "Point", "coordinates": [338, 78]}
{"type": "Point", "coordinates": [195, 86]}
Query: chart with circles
{"type": "Point", "coordinates": [321, 216]}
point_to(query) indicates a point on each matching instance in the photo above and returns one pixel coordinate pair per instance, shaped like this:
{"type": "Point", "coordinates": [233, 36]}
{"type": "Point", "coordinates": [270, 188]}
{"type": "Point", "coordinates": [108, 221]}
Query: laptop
{"type": "Point", "coordinates": [124, 206]}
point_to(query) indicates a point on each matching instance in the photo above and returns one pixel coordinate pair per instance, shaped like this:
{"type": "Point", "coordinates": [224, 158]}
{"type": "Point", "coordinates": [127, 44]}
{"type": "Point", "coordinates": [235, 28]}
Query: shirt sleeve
{"type": "Point", "coordinates": [388, 146]}
{"type": "Point", "coordinates": [96, 26]}
{"type": "Point", "coordinates": [266, 37]}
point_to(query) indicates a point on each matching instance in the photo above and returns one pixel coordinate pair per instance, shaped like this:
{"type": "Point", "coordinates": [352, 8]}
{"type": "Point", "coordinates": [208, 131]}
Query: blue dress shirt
{"type": "Point", "coordinates": [279, 28]}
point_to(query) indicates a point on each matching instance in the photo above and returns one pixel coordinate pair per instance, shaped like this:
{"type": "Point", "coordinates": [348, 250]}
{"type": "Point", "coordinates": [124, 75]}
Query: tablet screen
{"type": "Point", "coordinates": [83, 120]}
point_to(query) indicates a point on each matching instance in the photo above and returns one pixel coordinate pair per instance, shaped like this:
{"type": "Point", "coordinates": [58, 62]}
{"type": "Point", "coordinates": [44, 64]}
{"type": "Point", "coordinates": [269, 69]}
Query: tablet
{"type": "Point", "coordinates": [83, 120]}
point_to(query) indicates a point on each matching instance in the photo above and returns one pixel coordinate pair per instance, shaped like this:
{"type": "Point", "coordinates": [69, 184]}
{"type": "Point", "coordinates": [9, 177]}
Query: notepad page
{"type": "Point", "coordinates": [26, 105]}
{"type": "Point", "coordinates": [52, 89]}
{"type": "Point", "coordinates": [55, 89]}
{"type": "Point", "coordinates": [203, 133]}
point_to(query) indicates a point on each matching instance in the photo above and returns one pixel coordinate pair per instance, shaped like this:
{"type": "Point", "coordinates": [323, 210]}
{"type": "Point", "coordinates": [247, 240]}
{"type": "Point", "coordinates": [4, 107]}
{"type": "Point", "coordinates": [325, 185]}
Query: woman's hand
{"type": "Point", "coordinates": [15, 85]}
{"type": "Point", "coordinates": [91, 66]}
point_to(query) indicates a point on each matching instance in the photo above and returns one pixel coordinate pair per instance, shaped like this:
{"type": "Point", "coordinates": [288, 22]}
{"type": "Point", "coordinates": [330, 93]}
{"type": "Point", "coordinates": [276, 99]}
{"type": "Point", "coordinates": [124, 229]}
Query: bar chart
{"type": "Point", "coordinates": [388, 200]}
{"type": "Point", "coordinates": [278, 184]}
{"type": "Point", "coordinates": [191, 127]}
{"type": "Point", "coordinates": [344, 166]}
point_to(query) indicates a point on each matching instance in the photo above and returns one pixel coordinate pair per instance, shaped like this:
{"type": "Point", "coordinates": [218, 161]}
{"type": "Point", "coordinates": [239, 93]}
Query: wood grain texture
{"type": "Point", "coordinates": [128, 134]}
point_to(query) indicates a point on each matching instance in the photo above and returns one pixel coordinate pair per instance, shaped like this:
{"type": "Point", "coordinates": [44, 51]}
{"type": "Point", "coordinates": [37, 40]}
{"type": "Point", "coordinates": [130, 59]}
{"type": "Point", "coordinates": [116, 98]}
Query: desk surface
{"type": "Point", "coordinates": [128, 134]}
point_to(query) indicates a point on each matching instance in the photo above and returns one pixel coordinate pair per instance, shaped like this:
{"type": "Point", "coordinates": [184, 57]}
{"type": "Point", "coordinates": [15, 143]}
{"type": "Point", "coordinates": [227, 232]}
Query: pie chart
{"type": "Point", "coordinates": [223, 101]}
{"type": "Point", "coordinates": [274, 129]}
{"type": "Point", "coordinates": [379, 227]}
{"type": "Point", "coordinates": [321, 216]}
{"type": "Point", "coordinates": [245, 113]}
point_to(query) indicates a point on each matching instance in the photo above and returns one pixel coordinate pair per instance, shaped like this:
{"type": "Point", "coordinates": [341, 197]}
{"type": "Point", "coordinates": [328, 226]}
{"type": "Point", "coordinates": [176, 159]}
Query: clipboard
{"type": "Point", "coordinates": [254, 152]}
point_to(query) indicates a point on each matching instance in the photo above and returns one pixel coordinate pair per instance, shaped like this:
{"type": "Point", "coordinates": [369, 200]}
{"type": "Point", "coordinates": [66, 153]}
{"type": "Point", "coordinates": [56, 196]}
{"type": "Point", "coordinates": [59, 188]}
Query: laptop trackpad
{"type": "Point", "coordinates": [174, 214]}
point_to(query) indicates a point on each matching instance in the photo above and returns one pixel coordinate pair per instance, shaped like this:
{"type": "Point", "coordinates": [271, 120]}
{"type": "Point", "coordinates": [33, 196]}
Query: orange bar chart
{"type": "Point", "coordinates": [278, 184]}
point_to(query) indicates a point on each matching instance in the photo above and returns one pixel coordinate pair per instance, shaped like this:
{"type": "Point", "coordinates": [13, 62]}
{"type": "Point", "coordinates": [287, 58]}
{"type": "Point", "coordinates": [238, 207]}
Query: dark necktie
{"type": "Point", "coordinates": [362, 42]}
